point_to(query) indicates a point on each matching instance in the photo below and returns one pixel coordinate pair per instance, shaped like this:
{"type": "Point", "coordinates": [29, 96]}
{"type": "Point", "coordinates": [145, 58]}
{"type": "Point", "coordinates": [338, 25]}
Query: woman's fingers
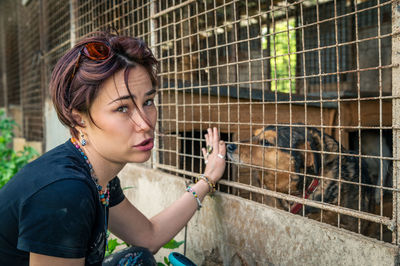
{"type": "Point", "coordinates": [211, 140]}
{"type": "Point", "coordinates": [215, 158]}
{"type": "Point", "coordinates": [210, 137]}
{"type": "Point", "coordinates": [222, 148]}
{"type": "Point", "coordinates": [215, 139]}
{"type": "Point", "coordinates": [205, 156]}
{"type": "Point", "coordinates": [213, 144]}
{"type": "Point", "coordinates": [204, 152]}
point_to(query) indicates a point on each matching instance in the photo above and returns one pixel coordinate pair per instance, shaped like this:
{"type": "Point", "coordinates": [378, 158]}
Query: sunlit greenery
{"type": "Point", "coordinates": [11, 161]}
{"type": "Point", "coordinates": [283, 58]}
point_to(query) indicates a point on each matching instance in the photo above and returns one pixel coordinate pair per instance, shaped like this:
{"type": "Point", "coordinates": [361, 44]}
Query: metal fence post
{"type": "Point", "coordinates": [72, 8]}
{"type": "Point", "coordinates": [396, 115]}
{"type": "Point", "coordinates": [153, 45]}
{"type": "Point", "coordinates": [3, 63]}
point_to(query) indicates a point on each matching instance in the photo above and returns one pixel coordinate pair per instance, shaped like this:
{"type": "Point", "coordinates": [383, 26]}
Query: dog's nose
{"type": "Point", "coordinates": [231, 147]}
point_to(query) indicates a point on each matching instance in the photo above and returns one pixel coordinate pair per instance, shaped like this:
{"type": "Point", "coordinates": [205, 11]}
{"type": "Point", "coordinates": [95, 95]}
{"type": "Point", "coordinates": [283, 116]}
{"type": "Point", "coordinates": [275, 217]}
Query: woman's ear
{"type": "Point", "coordinates": [78, 118]}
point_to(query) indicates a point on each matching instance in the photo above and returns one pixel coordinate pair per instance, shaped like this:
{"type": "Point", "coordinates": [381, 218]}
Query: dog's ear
{"type": "Point", "coordinates": [264, 134]}
{"type": "Point", "coordinates": [315, 141]}
{"type": "Point", "coordinates": [258, 131]}
{"type": "Point", "coordinates": [312, 143]}
{"type": "Point", "coordinates": [307, 154]}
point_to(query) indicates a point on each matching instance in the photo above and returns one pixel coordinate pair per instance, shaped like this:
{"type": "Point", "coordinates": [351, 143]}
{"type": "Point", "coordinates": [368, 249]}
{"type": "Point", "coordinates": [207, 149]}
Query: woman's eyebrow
{"type": "Point", "coordinates": [150, 92]}
{"type": "Point", "coordinates": [125, 97]}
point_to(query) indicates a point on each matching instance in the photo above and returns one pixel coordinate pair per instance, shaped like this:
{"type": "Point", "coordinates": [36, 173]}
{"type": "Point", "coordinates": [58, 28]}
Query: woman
{"type": "Point", "coordinates": [57, 209]}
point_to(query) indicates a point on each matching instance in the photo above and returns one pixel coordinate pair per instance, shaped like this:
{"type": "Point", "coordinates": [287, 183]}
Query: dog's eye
{"type": "Point", "coordinates": [266, 143]}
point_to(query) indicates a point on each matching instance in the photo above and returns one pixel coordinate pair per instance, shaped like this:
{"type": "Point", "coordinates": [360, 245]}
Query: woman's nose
{"type": "Point", "coordinates": [140, 121]}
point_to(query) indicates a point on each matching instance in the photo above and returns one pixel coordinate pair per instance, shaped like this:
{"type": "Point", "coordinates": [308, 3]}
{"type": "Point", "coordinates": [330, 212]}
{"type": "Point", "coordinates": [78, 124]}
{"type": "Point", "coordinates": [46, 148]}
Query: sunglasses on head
{"type": "Point", "coordinates": [96, 51]}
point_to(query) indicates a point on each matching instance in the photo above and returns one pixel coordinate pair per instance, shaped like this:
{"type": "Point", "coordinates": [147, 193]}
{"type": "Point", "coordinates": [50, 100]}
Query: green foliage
{"type": "Point", "coordinates": [172, 244]}
{"type": "Point", "coordinates": [283, 63]}
{"type": "Point", "coordinates": [166, 261]}
{"type": "Point", "coordinates": [112, 244]}
{"type": "Point", "coordinates": [10, 161]}
{"type": "Point", "coordinates": [282, 49]}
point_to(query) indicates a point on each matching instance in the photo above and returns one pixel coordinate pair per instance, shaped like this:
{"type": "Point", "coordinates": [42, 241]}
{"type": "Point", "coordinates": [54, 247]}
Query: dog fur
{"type": "Point", "coordinates": [290, 157]}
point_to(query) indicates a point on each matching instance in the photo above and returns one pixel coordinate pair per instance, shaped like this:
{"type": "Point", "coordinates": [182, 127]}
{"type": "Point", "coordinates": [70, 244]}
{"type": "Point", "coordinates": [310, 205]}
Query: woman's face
{"type": "Point", "coordinates": [121, 134]}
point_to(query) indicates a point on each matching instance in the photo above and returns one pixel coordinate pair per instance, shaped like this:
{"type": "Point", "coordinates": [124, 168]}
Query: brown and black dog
{"type": "Point", "coordinates": [290, 158]}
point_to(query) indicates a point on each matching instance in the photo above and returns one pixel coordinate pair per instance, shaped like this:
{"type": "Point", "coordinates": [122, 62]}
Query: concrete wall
{"type": "Point", "coordinates": [55, 132]}
{"type": "Point", "coordinates": [233, 231]}
{"type": "Point", "coordinates": [16, 113]}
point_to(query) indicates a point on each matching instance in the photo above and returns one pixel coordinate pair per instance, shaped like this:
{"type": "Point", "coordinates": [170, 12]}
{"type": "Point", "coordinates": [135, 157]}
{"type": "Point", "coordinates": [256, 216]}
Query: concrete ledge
{"type": "Point", "coordinates": [233, 231]}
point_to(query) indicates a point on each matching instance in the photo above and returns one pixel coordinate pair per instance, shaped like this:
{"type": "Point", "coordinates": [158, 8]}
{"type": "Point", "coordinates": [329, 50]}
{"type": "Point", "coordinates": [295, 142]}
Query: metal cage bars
{"type": "Point", "coordinates": [241, 65]}
{"type": "Point", "coordinates": [198, 97]}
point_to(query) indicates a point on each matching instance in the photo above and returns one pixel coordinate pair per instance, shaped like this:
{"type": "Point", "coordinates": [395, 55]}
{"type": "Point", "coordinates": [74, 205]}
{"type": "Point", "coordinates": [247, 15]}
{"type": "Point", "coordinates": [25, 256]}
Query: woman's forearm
{"type": "Point", "coordinates": [171, 220]}
{"type": "Point", "coordinates": [128, 223]}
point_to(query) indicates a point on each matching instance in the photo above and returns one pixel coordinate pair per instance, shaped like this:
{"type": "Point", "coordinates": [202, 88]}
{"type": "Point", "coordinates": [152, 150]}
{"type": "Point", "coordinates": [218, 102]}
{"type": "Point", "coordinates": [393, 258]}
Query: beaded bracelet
{"type": "Point", "coordinates": [189, 189]}
{"type": "Point", "coordinates": [205, 178]}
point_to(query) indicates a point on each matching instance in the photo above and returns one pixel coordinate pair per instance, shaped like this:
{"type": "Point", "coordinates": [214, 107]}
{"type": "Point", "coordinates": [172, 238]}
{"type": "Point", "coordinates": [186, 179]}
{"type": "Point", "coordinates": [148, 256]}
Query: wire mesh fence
{"type": "Point", "coordinates": [11, 62]}
{"type": "Point", "coordinates": [300, 90]}
{"type": "Point", "coordinates": [30, 72]}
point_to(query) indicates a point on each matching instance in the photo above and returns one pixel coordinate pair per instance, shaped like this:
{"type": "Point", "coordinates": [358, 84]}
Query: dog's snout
{"type": "Point", "coordinates": [231, 147]}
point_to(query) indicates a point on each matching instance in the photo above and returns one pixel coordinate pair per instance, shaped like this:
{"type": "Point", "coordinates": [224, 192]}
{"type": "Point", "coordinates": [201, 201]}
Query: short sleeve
{"type": "Point", "coordinates": [116, 193]}
{"type": "Point", "coordinates": [58, 220]}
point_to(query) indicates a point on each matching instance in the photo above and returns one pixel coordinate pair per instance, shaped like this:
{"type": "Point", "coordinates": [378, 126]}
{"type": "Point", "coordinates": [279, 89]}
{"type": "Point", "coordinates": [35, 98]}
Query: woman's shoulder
{"type": "Point", "coordinates": [61, 161]}
{"type": "Point", "coordinates": [56, 165]}
{"type": "Point", "coordinates": [64, 191]}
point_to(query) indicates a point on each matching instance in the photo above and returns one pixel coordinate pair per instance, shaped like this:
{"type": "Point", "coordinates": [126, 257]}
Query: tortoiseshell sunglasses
{"type": "Point", "coordinates": [96, 51]}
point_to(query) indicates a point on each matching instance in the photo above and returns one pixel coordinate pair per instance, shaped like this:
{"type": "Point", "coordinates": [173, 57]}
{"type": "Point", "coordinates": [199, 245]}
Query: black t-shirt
{"type": "Point", "coordinates": [52, 207]}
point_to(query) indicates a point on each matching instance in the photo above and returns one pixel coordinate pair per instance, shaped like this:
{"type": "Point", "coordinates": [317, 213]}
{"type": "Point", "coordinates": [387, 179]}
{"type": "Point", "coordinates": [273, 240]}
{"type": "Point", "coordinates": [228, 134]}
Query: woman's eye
{"type": "Point", "coordinates": [122, 109]}
{"type": "Point", "coordinates": [149, 102]}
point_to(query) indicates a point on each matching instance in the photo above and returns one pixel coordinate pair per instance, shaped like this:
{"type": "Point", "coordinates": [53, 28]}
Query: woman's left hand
{"type": "Point", "coordinates": [214, 155]}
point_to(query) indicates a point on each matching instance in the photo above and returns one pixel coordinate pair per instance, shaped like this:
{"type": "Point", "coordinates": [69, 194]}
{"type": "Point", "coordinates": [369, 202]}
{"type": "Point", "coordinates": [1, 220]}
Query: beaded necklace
{"type": "Point", "coordinates": [104, 196]}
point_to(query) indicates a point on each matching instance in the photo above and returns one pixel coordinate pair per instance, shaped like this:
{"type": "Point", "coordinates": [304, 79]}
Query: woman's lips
{"type": "Point", "coordinates": [145, 145]}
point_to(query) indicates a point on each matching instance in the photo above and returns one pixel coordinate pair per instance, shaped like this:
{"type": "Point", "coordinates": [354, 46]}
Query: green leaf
{"type": "Point", "coordinates": [10, 161]}
{"type": "Point", "coordinates": [160, 264]}
{"type": "Point", "coordinates": [166, 261]}
{"type": "Point", "coordinates": [173, 244]}
{"type": "Point", "coordinates": [112, 244]}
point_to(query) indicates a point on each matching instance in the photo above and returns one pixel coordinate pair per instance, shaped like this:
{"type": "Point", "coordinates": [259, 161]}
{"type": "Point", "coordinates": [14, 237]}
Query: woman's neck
{"type": "Point", "coordinates": [104, 169]}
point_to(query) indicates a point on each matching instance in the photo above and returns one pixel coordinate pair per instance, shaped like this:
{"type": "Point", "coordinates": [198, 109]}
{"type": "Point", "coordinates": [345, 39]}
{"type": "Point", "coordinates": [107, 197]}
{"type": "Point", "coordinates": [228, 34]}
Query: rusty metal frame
{"type": "Point", "coordinates": [170, 20]}
{"type": "Point", "coordinates": [396, 116]}
{"type": "Point", "coordinates": [210, 45]}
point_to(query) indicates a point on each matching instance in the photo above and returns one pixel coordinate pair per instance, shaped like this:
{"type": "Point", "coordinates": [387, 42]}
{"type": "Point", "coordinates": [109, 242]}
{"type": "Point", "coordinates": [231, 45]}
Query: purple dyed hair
{"type": "Point", "coordinates": [80, 92]}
